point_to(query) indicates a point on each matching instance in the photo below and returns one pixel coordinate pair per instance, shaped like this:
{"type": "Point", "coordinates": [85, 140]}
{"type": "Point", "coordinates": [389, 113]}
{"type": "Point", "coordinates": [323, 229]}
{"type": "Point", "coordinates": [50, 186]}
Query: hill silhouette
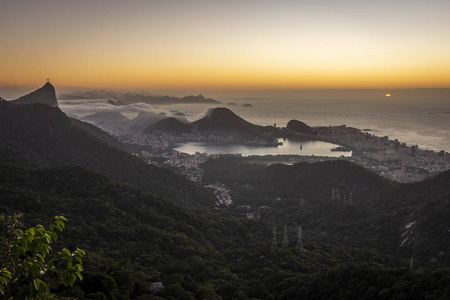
{"type": "Point", "coordinates": [106, 116]}
{"type": "Point", "coordinates": [222, 120]}
{"type": "Point", "coordinates": [133, 238]}
{"type": "Point", "coordinates": [145, 119]}
{"type": "Point", "coordinates": [319, 179]}
{"type": "Point", "coordinates": [314, 180]}
{"type": "Point", "coordinates": [51, 165]}
{"type": "Point", "coordinates": [101, 135]}
{"type": "Point", "coordinates": [299, 126]}
{"type": "Point", "coordinates": [423, 209]}
{"type": "Point", "coordinates": [429, 223]}
{"type": "Point", "coordinates": [404, 220]}
{"type": "Point", "coordinates": [130, 98]}
{"type": "Point", "coordinates": [44, 95]}
{"type": "Point", "coordinates": [170, 125]}
{"type": "Point", "coordinates": [47, 137]}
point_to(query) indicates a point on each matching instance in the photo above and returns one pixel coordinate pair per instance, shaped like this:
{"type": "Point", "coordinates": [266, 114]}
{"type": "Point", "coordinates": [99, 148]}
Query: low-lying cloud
{"type": "Point", "coordinates": [82, 108]}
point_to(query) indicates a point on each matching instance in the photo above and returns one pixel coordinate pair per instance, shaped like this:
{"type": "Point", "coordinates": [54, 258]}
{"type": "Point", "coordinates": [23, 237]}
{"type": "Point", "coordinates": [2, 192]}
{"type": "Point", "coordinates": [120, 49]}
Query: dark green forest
{"type": "Point", "coordinates": [148, 233]}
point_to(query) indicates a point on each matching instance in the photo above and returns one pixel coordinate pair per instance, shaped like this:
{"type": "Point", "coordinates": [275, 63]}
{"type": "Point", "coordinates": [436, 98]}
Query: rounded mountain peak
{"type": "Point", "coordinates": [220, 112]}
{"type": "Point", "coordinates": [222, 119]}
{"type": "Point", "coordinates": [299, 126]}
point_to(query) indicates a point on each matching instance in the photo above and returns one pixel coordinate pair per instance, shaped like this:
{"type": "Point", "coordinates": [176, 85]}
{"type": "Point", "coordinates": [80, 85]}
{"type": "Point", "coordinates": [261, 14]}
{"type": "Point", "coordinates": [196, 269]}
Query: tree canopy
{"type": "Point", "coordinates": [28, 266]}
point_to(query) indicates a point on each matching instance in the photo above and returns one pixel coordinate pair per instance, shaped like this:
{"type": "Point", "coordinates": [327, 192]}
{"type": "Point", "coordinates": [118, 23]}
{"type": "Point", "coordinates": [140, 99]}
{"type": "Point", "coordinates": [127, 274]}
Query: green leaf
{"type": "Point", "coordinates": [66, 252]}
{"type": "Point", "coordinates": [61, 218]}
{"type": "Point", "coordinates": [27, 257]}
{"type": "Point", "coordinates": [47, 248]}
{"type": "Point", "coordinates": [36, 284]}
{"type": "Point", "coordinates": [40, 257]}
{"type": "Point", "coordinates": [79, 267]}
{"type": "Point", "coordinates": [5, 272]}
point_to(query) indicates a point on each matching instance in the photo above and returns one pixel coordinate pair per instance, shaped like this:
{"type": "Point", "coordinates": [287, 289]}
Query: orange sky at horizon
{"type": "Point", "coordinates": [223, 45]}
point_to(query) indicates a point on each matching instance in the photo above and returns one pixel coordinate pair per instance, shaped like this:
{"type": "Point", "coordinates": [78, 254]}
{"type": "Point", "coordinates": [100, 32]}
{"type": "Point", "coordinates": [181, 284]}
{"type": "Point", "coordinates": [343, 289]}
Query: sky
{"type": "Point", "coordinates": [204, 45]}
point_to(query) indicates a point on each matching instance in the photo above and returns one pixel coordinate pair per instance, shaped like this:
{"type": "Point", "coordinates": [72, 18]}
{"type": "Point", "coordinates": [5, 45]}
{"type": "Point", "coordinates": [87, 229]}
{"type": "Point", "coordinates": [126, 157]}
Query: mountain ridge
{"type": "Point", "coordinates": [222, 119]}
{"type": "Point", "coordinates": [129, 98]}
{"type": "Point", "coordinates": [48, 137]}
{"type": "Point", "coordinates": [137, 223]}
{"type": "Point", "coordinates": [170, 124]}
{"type": "Point", "coordinates": [219, 120]}
{"type": "Point", "coordinates": [44, 95]}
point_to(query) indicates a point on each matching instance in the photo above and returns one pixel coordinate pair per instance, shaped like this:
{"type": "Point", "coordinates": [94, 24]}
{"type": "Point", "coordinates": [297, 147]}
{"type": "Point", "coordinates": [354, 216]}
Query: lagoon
{"type": "Point", "coordinates": [289, 147]}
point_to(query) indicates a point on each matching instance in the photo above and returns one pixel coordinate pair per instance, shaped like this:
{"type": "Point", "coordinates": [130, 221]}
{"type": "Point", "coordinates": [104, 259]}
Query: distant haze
{"type": "Point", "coordinates": [435, 95]}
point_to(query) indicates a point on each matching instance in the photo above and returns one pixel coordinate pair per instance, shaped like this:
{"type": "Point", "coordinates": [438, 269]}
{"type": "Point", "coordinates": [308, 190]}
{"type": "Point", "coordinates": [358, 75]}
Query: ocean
{"type": "Point", "coordinates": [286, 147]}
{"type": "Point", "coordinates": [422, 123]}
{"type": "Point", "coordinates": [415, 117]}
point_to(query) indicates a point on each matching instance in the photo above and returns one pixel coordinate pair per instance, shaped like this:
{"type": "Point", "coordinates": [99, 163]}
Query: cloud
{"type": "Point", "coordinates": [197, 116]}
{"type": "Point", "coordinates": [82, 108]}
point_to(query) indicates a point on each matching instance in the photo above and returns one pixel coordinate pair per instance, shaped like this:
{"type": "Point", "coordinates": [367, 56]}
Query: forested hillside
{"type": "Point", "coordinates": [316, 231]}
{"type": "Point", "coordinates": [45, 136]}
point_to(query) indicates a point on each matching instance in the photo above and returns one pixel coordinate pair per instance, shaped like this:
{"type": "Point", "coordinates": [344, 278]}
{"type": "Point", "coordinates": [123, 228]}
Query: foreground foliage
{"type": "Point", "coordinates": [136, 240]}
{"type": "Point", "coordinates": [28, 268]}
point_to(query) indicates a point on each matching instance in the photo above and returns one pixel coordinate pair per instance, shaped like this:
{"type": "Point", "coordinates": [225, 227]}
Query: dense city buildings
{"type": "Point", "coordinates": [389, 158]}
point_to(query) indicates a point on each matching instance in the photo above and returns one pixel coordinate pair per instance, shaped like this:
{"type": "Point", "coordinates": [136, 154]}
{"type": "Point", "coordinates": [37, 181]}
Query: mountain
{"type": "Point", "coordinates": [134, 239]}
{"type": "Point", "coordinates": [96, 94]}
{"type": "Point", "coordinates": [319, 178]}
{"type": "Point", "coordinates": [198, 99]}
{"type": "Point", "coordinates": [169, 125]}
{"type": "Point", "coordinates": [403, 220]}
{"type": "Point", "coordinates": [44, 95]}
{"type": "Point", "coordinates": [106, 116]}
{"type": "Point", "coordinates": [146, 118]}
{"type": "Point", "coordinates": [429, 223]}
{"type": "Point", "coordinates": [223, 121]}
{"type": "Point", "coordinates": [299, 126]}
{"type": "Point", "coordinates": [423, 208]}
{"type": "Point", "coordinates": [47, 137]}
{"type": "Point", "coordinates": [358, 233]}
{"type": "Point", "coordinates": [335, 196]}
{"type": "Point", "coordinates": [315, 181]}
{"type": "Point", "coordinates": [101, 135]}
{"type": "Point", "coordinates": [129, 98]}
{"type": "Point", "coordinates": [220, 121]}
{"type": "Point", "coordinates": [161, 100]}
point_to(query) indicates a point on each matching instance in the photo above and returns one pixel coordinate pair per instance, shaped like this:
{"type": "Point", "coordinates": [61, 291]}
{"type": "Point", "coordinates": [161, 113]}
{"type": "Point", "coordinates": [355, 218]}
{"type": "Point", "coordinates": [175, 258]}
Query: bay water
{"type": "Point", "coordinates": [423, 123]}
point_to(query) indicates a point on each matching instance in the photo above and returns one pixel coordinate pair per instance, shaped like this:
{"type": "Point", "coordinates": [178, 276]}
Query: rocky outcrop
{"type": "Point", "coordinates": [44, 95]}
{"type": "Point", "coordinates": [299, 126]}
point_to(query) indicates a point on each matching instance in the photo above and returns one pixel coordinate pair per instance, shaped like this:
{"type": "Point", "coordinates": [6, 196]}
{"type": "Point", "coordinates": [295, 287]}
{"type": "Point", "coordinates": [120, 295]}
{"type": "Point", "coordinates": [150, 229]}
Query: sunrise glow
{"type": "Point", "coordinates": [218, 45]}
